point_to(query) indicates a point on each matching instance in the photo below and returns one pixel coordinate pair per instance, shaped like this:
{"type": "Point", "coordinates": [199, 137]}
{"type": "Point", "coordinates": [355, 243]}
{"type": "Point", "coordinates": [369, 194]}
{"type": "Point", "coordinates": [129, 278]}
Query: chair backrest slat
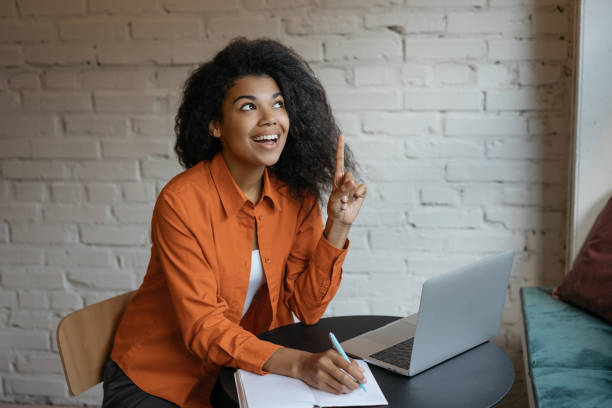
{"type": "Point", "coordinates": [85, 339]}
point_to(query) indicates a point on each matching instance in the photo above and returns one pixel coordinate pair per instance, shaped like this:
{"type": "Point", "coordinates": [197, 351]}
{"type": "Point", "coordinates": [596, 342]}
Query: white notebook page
{"type": "Point", "coordinates": [278, 391]}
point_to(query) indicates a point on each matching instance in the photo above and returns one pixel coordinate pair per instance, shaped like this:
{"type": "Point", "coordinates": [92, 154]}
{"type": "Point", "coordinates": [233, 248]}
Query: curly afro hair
{"type": "Point", "coordinates": [307, 162]}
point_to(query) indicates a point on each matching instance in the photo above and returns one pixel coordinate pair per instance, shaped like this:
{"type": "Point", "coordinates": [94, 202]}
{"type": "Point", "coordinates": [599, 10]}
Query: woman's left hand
{"type": "Point", "coordinates": [347, 195]}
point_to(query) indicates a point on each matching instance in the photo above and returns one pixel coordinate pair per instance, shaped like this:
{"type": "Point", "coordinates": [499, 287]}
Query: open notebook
{"type": "Point", "coordinates": [278, 391]}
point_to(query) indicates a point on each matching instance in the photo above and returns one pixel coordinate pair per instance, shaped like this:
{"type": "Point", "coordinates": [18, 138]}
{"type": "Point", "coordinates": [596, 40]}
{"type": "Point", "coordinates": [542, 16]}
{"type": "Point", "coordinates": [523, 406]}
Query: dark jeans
{"type": "Point", "coordinates": [121, 392]}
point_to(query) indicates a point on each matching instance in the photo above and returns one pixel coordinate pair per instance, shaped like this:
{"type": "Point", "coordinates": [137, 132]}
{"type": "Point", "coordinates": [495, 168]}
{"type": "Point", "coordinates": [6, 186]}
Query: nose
{"type": "Point", "coordinates": [267, 118]}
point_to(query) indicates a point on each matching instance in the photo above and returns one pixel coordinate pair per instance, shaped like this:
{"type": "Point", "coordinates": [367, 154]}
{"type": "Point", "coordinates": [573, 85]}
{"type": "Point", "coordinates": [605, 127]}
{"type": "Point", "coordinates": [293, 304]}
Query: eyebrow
{"type": "Point", "coordinates": [252, 98]}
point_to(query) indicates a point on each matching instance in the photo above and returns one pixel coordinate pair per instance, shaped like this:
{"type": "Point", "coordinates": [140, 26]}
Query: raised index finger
{"type": "Point", "coordinates": [339, 172]}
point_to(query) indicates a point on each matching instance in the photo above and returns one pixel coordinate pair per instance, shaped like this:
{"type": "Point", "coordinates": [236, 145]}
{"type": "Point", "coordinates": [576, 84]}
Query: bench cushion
{"type": "Point", "coordinates": [569, 352]}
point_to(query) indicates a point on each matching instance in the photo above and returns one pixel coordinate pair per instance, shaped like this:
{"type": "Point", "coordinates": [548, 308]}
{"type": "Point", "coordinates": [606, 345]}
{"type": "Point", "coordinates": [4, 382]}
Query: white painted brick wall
{"type": "Point", "coordinates": [93, 29]}
{"type": "Point", "coordinates": [373, 46]}
{"type": "Point", "coordinates": [457, 111]}
{"type": "Point", "coordinates": [67, 192]}
{"type": "Point", "coordinates": [448, 49]}
{"type": "Point", "coordinates": [436, 195]}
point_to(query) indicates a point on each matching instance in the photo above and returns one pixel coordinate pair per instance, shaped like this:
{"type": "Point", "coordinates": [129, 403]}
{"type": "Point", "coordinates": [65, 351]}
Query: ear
{"type": "Point", "coordinates": [214, 129]}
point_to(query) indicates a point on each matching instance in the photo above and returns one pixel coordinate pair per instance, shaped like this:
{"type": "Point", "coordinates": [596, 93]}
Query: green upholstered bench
{"type": "Point", "coordinates": [568, 353]}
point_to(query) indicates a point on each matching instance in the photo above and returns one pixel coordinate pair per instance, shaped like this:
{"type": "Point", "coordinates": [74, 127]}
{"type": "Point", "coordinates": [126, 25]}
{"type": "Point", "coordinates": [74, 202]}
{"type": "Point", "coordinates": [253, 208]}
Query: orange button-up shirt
{"type": "Point", "coordinates": [184, 322]}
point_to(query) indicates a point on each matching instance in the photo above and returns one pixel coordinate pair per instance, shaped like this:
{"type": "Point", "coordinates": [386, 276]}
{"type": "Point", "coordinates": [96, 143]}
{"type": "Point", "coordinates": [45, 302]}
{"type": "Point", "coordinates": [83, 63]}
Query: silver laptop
{"type": "Point", "coordinates": [458, 311]}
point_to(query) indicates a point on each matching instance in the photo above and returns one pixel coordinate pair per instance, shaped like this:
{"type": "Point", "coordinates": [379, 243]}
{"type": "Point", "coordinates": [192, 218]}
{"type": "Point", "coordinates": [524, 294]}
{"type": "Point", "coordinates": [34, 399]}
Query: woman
{"type": "Point", "coordinates": [238, 240]}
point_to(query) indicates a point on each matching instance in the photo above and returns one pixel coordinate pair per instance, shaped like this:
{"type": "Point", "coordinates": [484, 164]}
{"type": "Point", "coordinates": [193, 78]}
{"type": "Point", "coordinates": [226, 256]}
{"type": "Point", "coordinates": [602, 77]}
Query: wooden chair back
{"type": "Point", "coordinates": [85, 339]}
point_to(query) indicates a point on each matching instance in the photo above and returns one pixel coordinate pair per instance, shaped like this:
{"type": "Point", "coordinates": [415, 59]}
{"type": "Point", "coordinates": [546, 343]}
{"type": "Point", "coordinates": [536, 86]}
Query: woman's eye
{"type": "Point", "coordinates": [278, 104]}
{"type": "Point", "coordinates": [247, 107]}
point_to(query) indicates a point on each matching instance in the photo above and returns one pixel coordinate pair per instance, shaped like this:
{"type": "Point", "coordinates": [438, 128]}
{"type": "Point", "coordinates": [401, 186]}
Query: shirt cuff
{"type": "Point", "coordinates": [328, 264]}
{"type": "Point", "coordinates": [256, 352]}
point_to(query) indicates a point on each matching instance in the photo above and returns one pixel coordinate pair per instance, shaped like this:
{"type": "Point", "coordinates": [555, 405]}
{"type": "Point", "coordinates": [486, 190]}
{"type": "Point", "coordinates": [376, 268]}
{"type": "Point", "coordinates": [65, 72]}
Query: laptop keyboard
{"type": "Point", "coordinates": [398, 355]}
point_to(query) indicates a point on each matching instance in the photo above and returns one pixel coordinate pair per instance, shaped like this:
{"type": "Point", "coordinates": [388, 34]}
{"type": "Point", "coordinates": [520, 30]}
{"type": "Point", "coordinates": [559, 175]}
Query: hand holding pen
{"type": "Point", "coordinates": [339, 349]}
{"type": "Point", "coordinates": [327, 371]}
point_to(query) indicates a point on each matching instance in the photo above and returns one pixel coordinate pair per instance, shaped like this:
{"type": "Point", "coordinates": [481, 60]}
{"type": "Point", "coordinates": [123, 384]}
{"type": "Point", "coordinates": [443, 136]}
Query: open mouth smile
{"type": "Point", "coordinates": [269, 140]}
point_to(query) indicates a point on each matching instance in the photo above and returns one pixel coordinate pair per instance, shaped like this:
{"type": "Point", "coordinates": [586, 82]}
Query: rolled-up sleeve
{"type": "Point", "coordinates": [314, 267]}
{"type": "Point", "coordinates": [200, 312]}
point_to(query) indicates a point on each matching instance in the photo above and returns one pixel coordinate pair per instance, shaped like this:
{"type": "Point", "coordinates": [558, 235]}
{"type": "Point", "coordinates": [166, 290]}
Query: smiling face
{"type": "Point", "coordinates": [254, 127]}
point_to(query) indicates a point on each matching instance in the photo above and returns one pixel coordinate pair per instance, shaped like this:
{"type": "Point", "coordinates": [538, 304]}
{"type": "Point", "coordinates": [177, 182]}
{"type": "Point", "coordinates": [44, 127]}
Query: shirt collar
{"type": "Point", "coordinates": [232, 198]}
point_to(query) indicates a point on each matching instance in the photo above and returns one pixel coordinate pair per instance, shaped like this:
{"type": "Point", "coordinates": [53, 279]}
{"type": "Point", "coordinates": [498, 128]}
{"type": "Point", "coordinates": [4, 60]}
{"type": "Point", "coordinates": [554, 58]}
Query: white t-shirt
{"type": "Point", "coordinates": [256, 279]}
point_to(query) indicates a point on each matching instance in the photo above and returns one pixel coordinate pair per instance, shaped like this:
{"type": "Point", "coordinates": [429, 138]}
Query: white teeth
{"type": "Point", "coordinates": [265, 137]}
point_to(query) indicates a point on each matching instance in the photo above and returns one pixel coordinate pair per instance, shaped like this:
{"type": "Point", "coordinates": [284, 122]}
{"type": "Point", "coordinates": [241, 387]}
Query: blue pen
{"type": "Point", "coordinates": [338, 348]}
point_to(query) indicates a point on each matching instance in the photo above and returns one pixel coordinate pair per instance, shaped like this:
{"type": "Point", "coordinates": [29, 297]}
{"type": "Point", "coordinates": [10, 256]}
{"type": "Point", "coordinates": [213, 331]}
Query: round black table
{"type": "Point", "coordinates": [479, 377]}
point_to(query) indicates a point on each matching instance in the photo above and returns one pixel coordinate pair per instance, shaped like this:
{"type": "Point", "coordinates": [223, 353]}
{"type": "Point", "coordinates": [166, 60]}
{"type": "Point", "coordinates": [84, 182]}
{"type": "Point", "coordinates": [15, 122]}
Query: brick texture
{"type": "Point", "coordinates": [456, 110]}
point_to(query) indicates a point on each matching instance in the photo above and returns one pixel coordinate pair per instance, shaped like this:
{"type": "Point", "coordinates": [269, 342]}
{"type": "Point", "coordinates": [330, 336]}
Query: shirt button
{"type": "Point", "coordinates": [267, 260]}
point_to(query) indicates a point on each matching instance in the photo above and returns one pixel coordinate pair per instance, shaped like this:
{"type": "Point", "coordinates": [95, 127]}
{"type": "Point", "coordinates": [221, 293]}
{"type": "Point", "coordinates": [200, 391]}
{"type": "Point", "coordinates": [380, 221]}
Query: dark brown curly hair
{"type": "Point", "coordinates": [307, 162]}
